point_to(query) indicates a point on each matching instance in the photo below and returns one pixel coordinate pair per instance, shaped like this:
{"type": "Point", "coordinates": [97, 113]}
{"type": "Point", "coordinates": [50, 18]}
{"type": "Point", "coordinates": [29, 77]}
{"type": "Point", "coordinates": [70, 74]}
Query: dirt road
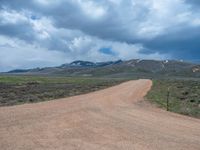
{"type": "Point", "coordinates": [112, 119]}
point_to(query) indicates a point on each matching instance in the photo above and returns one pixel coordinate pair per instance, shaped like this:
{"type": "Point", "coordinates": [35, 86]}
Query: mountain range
{"type": "Point", "coordinates": [119, 68]}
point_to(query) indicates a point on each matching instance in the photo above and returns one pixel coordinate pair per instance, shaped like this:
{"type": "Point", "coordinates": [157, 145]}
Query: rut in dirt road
{"type": "Point", "coordinates": [116, 118]}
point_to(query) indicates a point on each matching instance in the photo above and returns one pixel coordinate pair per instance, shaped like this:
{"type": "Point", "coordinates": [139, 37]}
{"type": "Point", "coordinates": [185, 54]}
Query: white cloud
{"type": "Point", "coordinates": [18, 54]}
{"type": "Point", "coordinates": [92, 9]}
{"type": "Point", "coordinates": [12, 17]}
{"type": "Point", "coordinates": [164, 15]}
{"type": "Point", "coordinates": [46, 2]}
{"type": "Point", "coordinates": [42, 27]}
{"type": "Point", "coordinates": [88, 48]}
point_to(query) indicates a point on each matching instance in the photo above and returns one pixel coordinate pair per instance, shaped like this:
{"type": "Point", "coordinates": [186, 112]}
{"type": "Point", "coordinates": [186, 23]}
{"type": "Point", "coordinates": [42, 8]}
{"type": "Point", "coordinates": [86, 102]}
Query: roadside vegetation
{"type": "Point", "coordinates": [184, 96]}
{"type": "Point", "coordinates": [29, 89]}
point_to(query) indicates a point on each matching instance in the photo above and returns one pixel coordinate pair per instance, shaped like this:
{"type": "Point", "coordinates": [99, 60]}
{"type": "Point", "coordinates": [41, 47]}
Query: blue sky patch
{"type": "Point", "coordinates": [107, 50]}
{"type": "Point", "coordinates": [33, 17]}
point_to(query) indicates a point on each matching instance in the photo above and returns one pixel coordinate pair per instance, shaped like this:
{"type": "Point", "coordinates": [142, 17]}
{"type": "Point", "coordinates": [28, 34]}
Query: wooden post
{"type": "Point", "coordinates": [168, 93]}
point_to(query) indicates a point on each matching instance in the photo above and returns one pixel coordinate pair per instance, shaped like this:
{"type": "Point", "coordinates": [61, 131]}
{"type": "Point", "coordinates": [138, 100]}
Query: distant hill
{"type": "Point", "coordinates": [119, 68]}
{"type": "Point", "coordinates": [80, 63]}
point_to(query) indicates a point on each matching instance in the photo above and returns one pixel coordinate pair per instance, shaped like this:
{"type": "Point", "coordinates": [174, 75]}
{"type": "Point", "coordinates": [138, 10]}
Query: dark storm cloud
{"type": "Point", "coordinates": [22, 31]}
{"type": "Point", "coordinates": [184, 44]}
{"type": "Point", "coordinates": [195, 2]}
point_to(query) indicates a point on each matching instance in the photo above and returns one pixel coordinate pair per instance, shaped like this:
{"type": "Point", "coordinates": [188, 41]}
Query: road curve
{"type": "Point", "coordinates": [116, 118]}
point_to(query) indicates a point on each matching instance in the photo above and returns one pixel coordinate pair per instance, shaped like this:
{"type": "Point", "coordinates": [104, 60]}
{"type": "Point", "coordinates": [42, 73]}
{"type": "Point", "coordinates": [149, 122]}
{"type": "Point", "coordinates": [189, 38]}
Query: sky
{"type": "Point", "coordinates": [41, 33]}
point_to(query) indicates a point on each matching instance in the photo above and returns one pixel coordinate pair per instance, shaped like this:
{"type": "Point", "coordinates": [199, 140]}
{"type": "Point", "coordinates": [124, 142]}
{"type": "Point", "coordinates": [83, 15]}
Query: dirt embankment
{"type": "Point", "coordinates": [112, 119]}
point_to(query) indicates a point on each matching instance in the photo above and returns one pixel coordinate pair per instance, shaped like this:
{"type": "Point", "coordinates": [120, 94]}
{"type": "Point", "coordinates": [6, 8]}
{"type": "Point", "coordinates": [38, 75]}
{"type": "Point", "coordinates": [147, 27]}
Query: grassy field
{"type": "Point", "coordinates": [184, 96]}
{"type": "Point", "coordinates": [28, 89]}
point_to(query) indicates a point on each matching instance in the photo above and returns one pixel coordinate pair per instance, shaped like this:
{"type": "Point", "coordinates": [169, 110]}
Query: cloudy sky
{"type": "Point", "coordinates": [38, 33]}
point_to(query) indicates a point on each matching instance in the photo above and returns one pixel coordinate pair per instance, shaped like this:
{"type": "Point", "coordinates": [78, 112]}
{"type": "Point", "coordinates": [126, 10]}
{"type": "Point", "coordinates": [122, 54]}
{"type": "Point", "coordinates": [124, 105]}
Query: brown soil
{"type": "Point", "coordinates": [116, 118]}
